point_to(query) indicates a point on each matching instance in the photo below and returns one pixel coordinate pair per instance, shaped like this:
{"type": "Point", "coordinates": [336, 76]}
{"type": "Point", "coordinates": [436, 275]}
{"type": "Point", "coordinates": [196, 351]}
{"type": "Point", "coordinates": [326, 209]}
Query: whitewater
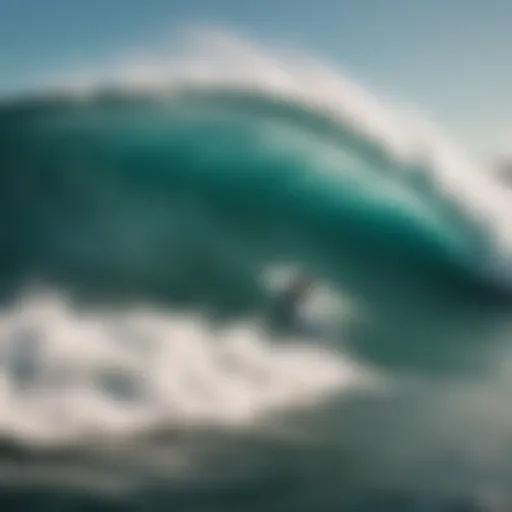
{"type": "Point", "coordinates": [150, 214]}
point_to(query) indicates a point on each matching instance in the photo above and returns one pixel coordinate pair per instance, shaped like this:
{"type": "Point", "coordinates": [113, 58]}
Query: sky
{"type": "Point", "coordinates": [450, 58]}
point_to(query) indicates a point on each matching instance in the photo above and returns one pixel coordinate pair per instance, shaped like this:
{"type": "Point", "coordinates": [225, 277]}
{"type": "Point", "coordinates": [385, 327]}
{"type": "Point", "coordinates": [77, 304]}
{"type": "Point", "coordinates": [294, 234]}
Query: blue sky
{"type": "Point", "coordinates": [449, 57]}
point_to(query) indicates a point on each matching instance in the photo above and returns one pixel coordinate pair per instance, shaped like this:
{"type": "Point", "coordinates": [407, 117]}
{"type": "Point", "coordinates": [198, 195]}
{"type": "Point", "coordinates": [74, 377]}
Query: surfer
{"type": "Point", "coordinates": [290, 299]}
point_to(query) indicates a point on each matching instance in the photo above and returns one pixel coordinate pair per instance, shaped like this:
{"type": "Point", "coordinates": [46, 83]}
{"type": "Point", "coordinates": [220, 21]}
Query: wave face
{"type": "Point", "coordinates": [179, 189]}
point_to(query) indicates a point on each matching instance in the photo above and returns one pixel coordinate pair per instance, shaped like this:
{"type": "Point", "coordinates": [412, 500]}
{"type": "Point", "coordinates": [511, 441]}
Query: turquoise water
{"type": "Point", "coordinates": [183, 205]}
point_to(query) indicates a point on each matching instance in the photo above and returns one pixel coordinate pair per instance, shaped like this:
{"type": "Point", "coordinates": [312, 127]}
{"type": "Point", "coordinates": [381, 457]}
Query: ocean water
{"type": "Point", "coordinates": [148, 220]}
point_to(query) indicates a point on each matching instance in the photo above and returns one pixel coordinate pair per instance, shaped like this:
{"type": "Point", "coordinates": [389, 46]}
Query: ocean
{"type": "Point", "coordinates": [150, 219]}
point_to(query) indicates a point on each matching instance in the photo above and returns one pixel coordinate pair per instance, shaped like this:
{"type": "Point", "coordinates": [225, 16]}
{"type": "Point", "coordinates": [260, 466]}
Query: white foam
{"type": "Point", "coordinates": [175, 369]}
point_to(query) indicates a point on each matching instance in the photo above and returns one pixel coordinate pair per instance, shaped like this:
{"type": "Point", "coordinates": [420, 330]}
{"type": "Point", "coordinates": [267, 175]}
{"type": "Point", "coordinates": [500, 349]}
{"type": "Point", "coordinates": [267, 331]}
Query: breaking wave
{"type": "Point", "coordinates": [151, 203]}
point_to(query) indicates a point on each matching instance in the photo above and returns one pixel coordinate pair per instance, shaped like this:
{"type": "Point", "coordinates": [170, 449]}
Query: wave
{"type": "Point", "coordinates": [183, 181]}
{"type": "Point", "coordinates": [183, 184]}
{"type": "Point", "coordinates": [156, 210]}
{"type": "Point", "coordinates": [101, 184]}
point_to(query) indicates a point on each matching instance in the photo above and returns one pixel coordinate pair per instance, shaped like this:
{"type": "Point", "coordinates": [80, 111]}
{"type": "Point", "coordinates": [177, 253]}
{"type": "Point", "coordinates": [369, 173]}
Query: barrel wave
{"type": "Point", "coordinates": [182, 191]}
{"type": "Point", "coordinates": [123, 188]}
